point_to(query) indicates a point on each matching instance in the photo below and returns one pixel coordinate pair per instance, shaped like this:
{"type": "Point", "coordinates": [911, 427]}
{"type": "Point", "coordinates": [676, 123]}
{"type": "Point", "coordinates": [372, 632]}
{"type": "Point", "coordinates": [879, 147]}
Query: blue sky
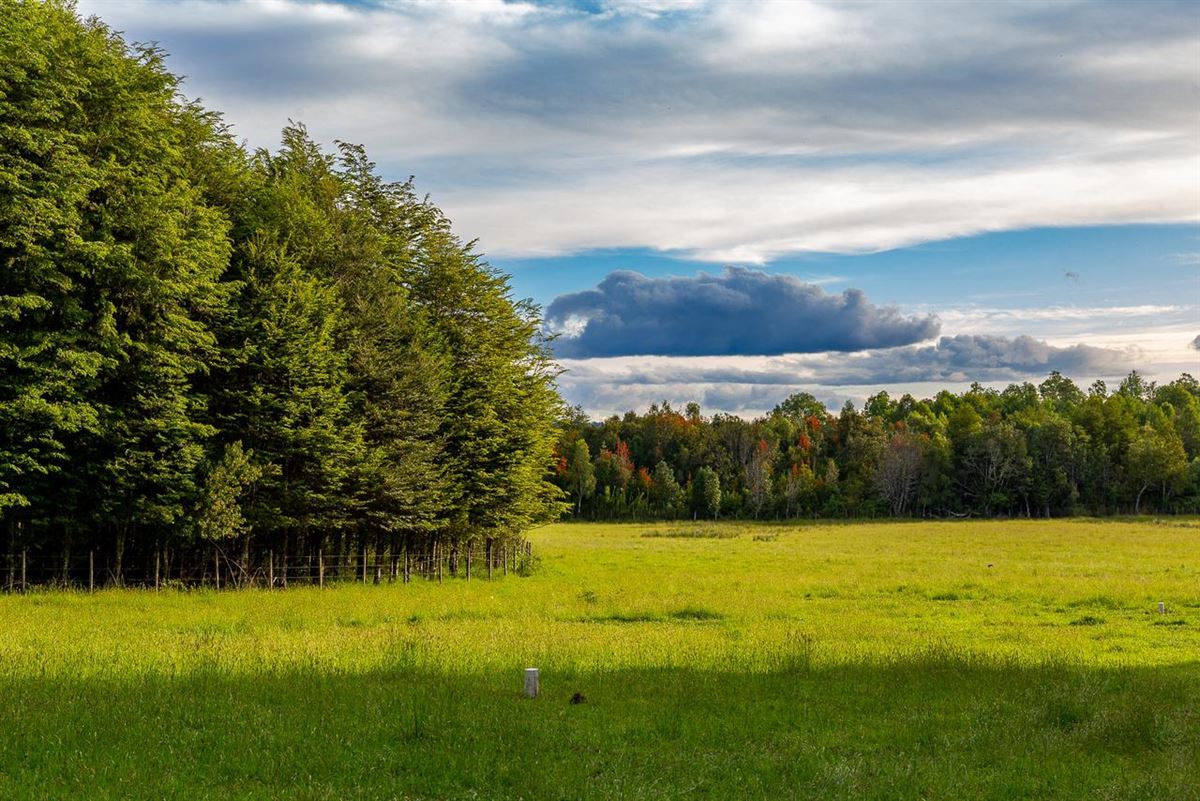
{"type": "Point", "coordinates": [1101, 265]}
{"type": "Point", "coordinates": [910, 195]}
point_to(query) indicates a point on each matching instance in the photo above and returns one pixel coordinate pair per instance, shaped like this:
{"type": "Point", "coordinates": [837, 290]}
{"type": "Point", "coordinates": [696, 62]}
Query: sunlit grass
{"type": "Point", "coordinates": [997, 632]}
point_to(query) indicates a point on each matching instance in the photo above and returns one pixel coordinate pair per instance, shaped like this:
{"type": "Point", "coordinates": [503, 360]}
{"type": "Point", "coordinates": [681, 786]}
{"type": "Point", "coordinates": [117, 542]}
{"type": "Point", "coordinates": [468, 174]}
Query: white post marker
{"type": "Point", "coordinates": [1162, 608]}
{"type": "Point", "coordinates": [531, 682]}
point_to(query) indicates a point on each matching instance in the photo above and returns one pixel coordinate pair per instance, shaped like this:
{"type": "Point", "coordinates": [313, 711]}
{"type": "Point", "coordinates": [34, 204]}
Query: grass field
{"type": "Point", "coordinates": [893, 661]}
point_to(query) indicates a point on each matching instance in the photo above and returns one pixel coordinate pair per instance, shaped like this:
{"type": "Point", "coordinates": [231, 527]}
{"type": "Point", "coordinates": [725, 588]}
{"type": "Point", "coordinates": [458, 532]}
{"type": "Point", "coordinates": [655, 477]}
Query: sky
{"type": "Point", "coordinates": [732, 202]}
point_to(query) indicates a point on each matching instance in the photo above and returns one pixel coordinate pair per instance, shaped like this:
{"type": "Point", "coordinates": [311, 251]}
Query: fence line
{"type": "Point", "coordinates": [23, 570]}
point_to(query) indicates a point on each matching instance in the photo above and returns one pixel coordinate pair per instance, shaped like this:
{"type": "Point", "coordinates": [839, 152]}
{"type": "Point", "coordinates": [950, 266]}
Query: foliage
{"type": "Point", "coordinates": [1046, 451]}
{"type": "Point", "coordinates": [220, 515]}
{"type": "Point", "coordinates": [578, 472]}
{"type": "Point", "coordinates": [168, 299]}
{"type": "Point", "coordinates": [706, 493]}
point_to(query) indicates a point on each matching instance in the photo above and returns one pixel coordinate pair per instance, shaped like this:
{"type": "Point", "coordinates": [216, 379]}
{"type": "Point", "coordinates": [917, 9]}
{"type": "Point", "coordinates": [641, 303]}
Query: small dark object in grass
{"type": "Point", "coordinates": [578, 698]}
{"type": "Point", "coordinates": [990, 564]}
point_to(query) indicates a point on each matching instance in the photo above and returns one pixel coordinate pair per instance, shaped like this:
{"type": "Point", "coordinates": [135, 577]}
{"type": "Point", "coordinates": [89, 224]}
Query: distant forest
{"type": "Point", "coordinates": [205, 350]}
{"type": "Point", "coordinates": [1029, 451]}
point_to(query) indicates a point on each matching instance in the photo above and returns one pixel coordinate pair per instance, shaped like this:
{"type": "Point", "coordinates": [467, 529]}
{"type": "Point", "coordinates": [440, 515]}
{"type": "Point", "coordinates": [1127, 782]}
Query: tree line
{"type": "Point", "coordinates": [1033, 451]}
{"type": "Point", "coordinates": [206, 348]}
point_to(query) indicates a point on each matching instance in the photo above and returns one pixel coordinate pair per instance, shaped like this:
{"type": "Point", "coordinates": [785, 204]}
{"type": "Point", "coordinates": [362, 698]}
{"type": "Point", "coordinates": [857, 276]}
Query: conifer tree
{"type": "Point", "coordinates": [111, 267]}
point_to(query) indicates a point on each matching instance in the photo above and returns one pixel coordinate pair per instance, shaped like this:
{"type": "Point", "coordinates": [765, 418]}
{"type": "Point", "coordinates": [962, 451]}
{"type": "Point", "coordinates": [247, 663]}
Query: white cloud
{"type": "Point", "coordinates": [652, 8]}
{"type": "Point", "coordinates": [733, 132]}
{"type": "Point", "coordinates": [754, 213]}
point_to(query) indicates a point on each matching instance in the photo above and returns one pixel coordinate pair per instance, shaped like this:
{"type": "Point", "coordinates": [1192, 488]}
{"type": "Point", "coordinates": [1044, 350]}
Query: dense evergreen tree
{"type": "Point", "coordinates": [111, 267]}
{"type": "Point", "coordinates": [201, 346]}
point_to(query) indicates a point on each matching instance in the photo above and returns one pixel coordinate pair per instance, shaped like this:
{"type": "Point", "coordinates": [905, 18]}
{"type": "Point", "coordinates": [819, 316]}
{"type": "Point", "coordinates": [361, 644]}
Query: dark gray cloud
{"type": "Point", "coordinates": [740, 312]}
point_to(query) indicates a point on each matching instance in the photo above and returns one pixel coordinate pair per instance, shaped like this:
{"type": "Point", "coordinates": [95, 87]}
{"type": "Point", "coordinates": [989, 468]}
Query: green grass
{"type": "Point", "coordinates": [893, 661]}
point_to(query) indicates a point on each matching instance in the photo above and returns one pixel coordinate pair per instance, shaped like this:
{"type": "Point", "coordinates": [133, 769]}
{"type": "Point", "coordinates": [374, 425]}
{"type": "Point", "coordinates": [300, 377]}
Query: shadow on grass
{"type": "Point", "coordinates": [921, 730]}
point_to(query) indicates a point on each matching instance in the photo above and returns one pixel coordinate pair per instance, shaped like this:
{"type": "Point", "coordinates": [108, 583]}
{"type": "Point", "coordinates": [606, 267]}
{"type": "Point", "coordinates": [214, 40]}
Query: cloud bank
{"type": "Point", "coordinates": [753, 385]}
{"type": "Point", "coordinates": [956, 359]}
{"type": "Point", "coordinates": [734, 133]}
{"type": "Point", "coordinates": [740, 312]}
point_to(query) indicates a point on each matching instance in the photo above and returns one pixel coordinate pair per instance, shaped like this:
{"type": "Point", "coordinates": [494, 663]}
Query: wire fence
{"type": "Point", "coordinates": [92, 570]}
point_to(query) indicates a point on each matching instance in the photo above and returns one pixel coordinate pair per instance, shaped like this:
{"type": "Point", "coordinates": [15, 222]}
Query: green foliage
{"type": "Point", "coordinates": [667, 494]}
{"type": "Point", "coordinates": [167, 298]}
{"type": "Point", "coordinates": [282, 391]}
{"type": "Point", "coordinates": [110, 266]}
{"type": "Point", "coordinates": [706, 493]}
{"type": "Point", "coordinates": [1156, 458]}
{"type": "Point", "coordinates": [580, 476]}
{"type": "Point", "coordinates": [1024, 451]}
{"type": "Point", "coordinates": [220, 516]}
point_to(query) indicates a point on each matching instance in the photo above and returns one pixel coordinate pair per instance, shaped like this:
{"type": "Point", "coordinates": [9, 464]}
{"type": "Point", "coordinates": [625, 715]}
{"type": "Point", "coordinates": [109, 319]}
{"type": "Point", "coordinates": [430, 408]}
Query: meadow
{"type": "Point", "coordinates": [947, 660]}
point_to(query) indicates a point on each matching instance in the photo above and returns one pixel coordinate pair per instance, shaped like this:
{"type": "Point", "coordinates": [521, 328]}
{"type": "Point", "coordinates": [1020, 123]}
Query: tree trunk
{"type": "Point", "coordinates": [120, 556]}
{"type": "Point", "coordinates": [245, 577]}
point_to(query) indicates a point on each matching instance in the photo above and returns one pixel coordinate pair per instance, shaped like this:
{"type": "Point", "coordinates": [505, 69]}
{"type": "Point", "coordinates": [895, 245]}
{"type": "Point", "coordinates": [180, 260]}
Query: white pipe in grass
{"type": "Point", "coordinates": [531, 682]}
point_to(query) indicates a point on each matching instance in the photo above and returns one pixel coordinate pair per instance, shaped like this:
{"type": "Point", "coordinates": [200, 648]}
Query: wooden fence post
{"type": "Point", "coordinates": [271, 569]}
{"type": "Point", "coordinates": [24, 586]}
{"type": "Point", "coordinates": [320, 568]}
{"type": "Point", "coordinates": [92, 570]}
{"type": "Point", "coordinates": [470, 548]}
{"type": "Point", "coordinates": [504, 553]}
{"type": "Point", "coordinates": [217, 566]}
{"type": "Point", "coordinates": [487, 549]}
{"type": "Point", "coordinates": [157, 567]}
